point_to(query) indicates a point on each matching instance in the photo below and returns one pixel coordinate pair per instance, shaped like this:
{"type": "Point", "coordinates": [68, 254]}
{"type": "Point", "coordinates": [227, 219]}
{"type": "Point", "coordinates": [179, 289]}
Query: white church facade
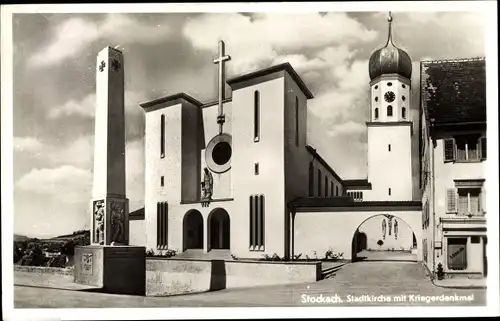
{"type": "Point", "coordinates": [238, 176]}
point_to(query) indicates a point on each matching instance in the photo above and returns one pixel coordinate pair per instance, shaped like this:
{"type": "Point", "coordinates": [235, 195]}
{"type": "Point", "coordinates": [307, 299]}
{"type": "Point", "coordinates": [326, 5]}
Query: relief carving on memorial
{"type": "Point", "coordinates": [99, 216]}
{"type": "Point", "coordinates": [117, 222]}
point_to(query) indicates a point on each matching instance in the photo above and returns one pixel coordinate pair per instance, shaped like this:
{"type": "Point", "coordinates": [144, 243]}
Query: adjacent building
{"type": "Point", "coordinates": [453, 166]}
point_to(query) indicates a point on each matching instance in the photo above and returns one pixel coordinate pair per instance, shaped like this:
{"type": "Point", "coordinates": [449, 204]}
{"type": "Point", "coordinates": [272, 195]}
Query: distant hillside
{"type": "Point", "coordinates": [75, 235]}
{"type": "Point", "coordinates": [20, 238]}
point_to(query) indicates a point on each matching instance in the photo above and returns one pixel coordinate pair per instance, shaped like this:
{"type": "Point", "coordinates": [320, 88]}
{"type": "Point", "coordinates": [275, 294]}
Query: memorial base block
{"type": "Point", "coordinates": [116, 269]}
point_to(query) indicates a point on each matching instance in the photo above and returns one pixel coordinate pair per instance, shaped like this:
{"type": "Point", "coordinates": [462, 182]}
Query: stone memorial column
{"type": "Point", "coordinates": [109, 262]}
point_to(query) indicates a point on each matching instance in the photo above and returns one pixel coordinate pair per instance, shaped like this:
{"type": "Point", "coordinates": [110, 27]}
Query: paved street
{"type": "Point", "coordinates": [381, 279]}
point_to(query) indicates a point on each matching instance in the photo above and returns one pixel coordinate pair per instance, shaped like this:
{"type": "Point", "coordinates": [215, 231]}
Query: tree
{"type": "Point", "coordinates": [68, 248]}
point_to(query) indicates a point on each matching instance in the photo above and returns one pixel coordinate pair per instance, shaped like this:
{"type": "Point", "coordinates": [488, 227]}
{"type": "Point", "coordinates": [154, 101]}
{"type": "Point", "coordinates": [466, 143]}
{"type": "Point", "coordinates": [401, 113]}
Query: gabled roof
{"type": "Point", "coordinates": [233, 82]}
{"type": "Point", "coordinates": [454, 91]}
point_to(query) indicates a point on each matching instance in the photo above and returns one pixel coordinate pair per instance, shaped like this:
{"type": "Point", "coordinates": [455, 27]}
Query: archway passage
{"type": "Point", "coordinates": [219, 230]}
{"type": "Point", "coordinates": [360, 241]}
{"type": "Point", "coordinates": [193, 230]}
{"type": "Point", "coordinates": [384, 237]}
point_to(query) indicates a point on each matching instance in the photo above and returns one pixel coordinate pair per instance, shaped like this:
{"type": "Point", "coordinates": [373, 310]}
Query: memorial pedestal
{"type": "Point", "coordinates": [117, 269]}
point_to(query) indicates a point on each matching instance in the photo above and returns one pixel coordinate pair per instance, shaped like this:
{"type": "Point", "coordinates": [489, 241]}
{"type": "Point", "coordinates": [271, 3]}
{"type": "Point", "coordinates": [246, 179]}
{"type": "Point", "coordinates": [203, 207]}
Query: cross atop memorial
{"type": "Point", "coordinates": [221, 60]}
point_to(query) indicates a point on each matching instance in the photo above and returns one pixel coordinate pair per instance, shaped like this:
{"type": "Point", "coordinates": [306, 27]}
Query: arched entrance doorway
{"type": "Point", "coordinates": [218, 230]}
{"type": "Point", "coordinates": [193, 230]}
{"type": "Point", "coordinates": [383, 237]}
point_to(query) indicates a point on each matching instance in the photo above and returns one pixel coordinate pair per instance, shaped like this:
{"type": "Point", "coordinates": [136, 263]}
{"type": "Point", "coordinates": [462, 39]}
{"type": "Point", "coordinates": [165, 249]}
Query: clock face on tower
{"type": "Point", "coordinates": [389, 96]}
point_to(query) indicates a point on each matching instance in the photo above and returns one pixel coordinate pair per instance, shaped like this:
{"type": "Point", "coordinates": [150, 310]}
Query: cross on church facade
{"type": "Point", "coordinates": [101, 66]}
{"type": "Point", "coordinates": [221, 60]}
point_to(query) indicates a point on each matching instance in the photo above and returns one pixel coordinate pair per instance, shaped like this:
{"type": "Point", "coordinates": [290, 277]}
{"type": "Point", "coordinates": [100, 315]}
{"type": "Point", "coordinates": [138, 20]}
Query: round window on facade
{"type": "Point", "coordinates": [218, 153]}
{"type": "Point", "coordinates": [376, 87]}
{"type": "Point", "coordinates": [403, 98]}
{"type": "Point", "coordinates": [389, 84]}
{"type": "Point", "coordinates": [403, 85]}
{"type": "Point", "coordinates": [221, 153]}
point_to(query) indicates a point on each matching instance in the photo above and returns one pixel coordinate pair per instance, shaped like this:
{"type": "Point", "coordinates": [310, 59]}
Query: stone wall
{"type": "Point", "coordinates": [44, 270]}
{"type": "Point", "coordinates": [177, 276]}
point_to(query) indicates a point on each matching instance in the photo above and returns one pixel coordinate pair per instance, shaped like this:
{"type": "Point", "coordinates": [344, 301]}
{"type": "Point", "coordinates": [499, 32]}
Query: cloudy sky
{"type": "Point", "coordinates": [54, 86]}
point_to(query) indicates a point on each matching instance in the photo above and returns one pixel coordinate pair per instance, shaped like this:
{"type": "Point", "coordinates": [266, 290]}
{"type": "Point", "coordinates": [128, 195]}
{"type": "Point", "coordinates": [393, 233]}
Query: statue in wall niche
{"type": "Point", "coordinates": [395, 229]}
{"type": "Point", "coordinates": [117, 218]}
{"type": "Point", "coordinates": [99, 214]}
{"type": "Point", "coordinates": [207, 185]}
{"type": "Point", "coordinates": [383, 228]}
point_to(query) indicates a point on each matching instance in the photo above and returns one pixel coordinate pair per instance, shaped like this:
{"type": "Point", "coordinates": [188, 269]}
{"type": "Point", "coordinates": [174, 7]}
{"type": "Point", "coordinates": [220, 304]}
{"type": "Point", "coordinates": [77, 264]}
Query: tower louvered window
{"type": "Point", "coordinates": [257, 223]}
{"type": "Point", "coordinates": [162, 225]}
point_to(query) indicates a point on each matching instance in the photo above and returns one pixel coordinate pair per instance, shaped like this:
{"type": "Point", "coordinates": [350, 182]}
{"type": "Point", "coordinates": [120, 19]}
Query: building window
{"type": "Point", "coordinates": [311, 179]}
{"type": "Point", "coordinates": [468, 198]}
{"type": "Point", "coordinates": [319, 182]}
{"type": "Point", "coordinates": [389, 147]}
{"type": "Point", "coordinates": [357, 196]}
{"type": "Point", "coordinates": [376, 99]}
{"type": "Point", "coordinates": [376, 86]}
{"type": "Point", "coordinates": [162, 138]}
{"type": "Point", "coordinates": [257, 208]}
{"type": "Point", "coordinates": [457, 253]}
{"type": "Point", "coordinates": [389, 110]}
{"type": "Point", "coordinates": [296, 121]}
{"type": "Point", "coordinates": [376, 113]}
{"type": "Point", "coordinates": [336, 190]}
{"type": "Point", "coordinates": [161, 225]}
{"type": "Point", "coordinates": [256, 168]}
{"type": "Point", "coordinates": [331, 189]}
{"type": "Point", "coordinates": [389, 84]}
{"type": "Point", "coordinates": [465, 148]}
{"type": "Point", "coordinates": [469, 201]}
{"type": "Point", "coordinates": [256, 116]}
{"type": "Point", "coordinates": [389, 191]}
{"type": "Point", "coordinates": [326, 186]}
{"type": "Point", "coordinates": [403, 113]}
{"type": "Point", "coordinates": [162, 181]}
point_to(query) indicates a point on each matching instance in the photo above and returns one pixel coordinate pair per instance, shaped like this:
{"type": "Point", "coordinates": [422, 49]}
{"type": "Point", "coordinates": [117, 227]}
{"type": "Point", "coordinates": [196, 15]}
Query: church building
{"type": "Point", "coordinates": [238, 177]}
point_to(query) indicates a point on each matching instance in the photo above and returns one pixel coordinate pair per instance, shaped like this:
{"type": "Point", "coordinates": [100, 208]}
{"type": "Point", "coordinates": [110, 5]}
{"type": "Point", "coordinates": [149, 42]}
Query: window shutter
{"type": "Point", "coordinates": [482, 200]}
{"type": "Point", "coordinates": [451, 200]}
{"type": "Point", "coordinates": [449, 150]}
{"type": "Point", "coordinates": [482, 146]}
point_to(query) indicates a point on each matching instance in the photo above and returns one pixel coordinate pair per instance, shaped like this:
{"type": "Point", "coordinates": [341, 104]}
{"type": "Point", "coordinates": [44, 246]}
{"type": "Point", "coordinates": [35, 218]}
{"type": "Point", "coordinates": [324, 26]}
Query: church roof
{"type": "Point", "coordinates": [262, 75]}
{"type": "Point", "coordinates": [454, 91]}
{"type": "Point", "coordinates": [320, 159]}
{"type": "Point", "coordinates": [357, 183]}
{"type": "Point", "coordinates": [348, 203]}
{"type": "Point", "coordinates": [389, 59]}
{"type": "Point", "coordinates": [169, 101]}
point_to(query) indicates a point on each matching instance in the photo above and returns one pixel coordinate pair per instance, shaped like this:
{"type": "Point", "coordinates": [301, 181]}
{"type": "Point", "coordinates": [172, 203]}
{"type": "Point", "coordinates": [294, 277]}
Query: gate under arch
{"type": "Point", "coordinates": [192, 228]}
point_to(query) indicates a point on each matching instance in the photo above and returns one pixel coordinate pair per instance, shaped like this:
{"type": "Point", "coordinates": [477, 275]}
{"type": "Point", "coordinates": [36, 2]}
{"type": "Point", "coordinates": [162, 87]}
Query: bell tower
{"type": "Point", "coordinates": [390, 126]}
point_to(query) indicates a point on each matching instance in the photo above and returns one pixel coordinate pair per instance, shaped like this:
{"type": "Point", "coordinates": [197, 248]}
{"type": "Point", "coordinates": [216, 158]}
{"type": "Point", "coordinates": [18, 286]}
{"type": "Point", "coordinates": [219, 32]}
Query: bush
{"type": "Point", "coordinates": [68, 248]}
{"type": "Point", "coordinates": [332, 256]}
{"type": "Point", "coordinates": [440, 272]}
{"type": "Point", "coordinates": [163, 253]}
{"type": "Point", "coordinates": [274, 257]}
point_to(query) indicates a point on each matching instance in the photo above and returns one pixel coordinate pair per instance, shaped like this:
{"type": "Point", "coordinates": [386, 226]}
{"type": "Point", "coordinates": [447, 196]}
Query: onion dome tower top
{"type": "Point", "coordinates": [390, 59]}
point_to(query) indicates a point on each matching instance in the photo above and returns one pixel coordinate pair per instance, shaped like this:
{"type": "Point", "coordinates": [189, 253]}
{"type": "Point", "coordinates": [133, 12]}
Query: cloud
{"type": "Point", "coordinates": [67, 183]}
{"type": "Point", "coordinates": [254, 41]}
{"type": "Point", "coordinates": [348, 128]}
{"type": "Point", "coordinates": [27, 144]}
{"type": "Point", "coordinates": [71, 36]}
{"type": "Point", "coordinates": [84, 107]}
